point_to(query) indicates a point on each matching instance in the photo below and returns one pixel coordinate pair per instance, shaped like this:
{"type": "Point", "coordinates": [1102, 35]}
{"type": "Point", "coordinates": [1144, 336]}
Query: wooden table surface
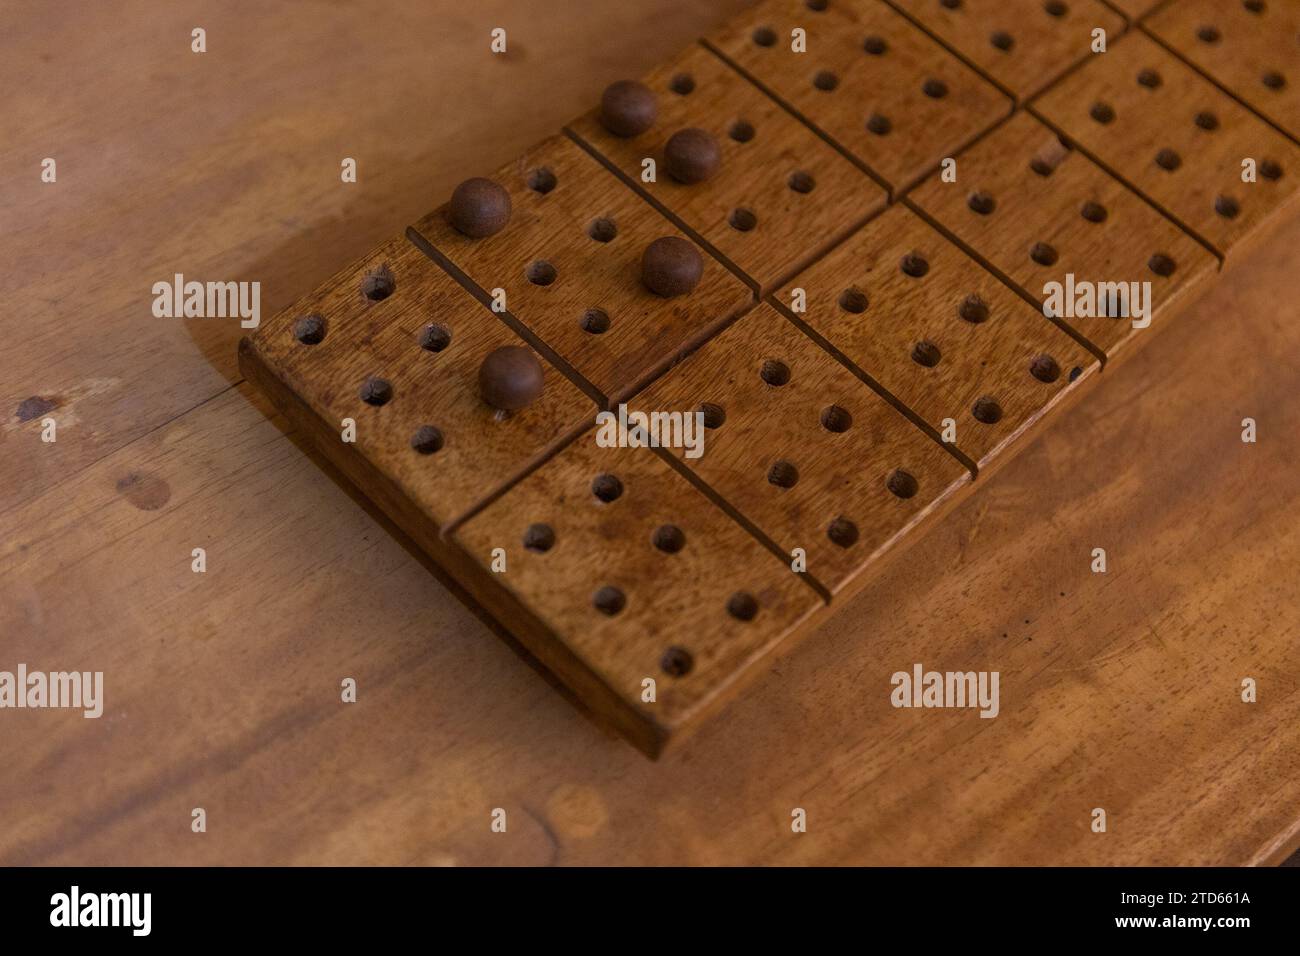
{"type": "Point", "coordinates": [1119, 690]}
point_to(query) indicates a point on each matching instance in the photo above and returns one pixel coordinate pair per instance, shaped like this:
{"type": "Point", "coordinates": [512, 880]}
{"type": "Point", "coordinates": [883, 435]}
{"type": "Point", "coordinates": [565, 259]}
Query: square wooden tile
{"type": "Point", "coordinates": [1040, 212]}
{"type": "Point", "coordinates": [640, 577]}
{"type": "Point", "coordinates": [569, 261]}
{"type": "Point", "coordinates": [400, 329]}
{"type": "Point", "coordinates": [870, 80]}
{"type": "Point", "coordinates": [1021, 44]}
{"type": "Point", "coordinates": [780, 197]}
{"type": "Point", "coordinates": [803, 449]}
{"type": "Point", "coordinates": [939, 332]}
{"type": "Point", "coordinates": [1252, 48]}
{"type": "Point", "coordinates": [1172, 134]}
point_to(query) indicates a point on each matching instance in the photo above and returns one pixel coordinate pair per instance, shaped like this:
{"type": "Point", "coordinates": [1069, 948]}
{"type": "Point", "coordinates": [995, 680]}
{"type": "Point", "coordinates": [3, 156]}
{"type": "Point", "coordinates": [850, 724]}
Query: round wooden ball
{"type": "Point", "coordinates": [671, 266]}
{"type": "Point", "coordinates": [628, 108]}
{"type": "Point", "coordinates": [510, 378]}
{"type": "Point", "coordinates": [692, 155]}
{"type": "Point", "coordinates": [479, 207]}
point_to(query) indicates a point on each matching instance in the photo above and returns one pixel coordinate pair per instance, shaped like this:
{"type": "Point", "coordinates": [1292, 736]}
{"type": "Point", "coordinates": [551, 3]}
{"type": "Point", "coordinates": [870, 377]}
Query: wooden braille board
{"type": "Point", "coordinates": [901, 263]}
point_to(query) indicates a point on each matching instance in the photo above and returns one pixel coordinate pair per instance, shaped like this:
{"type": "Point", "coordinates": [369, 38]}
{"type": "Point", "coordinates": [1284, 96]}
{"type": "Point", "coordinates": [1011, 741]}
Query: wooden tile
{"type": "Point", "coordinates": [1252, 49]}
{"type": "Point", "coordinates": [863, 82]}
{"type": "Point", "coordinates": [560, 199]}
{"type": "Point", "coordinates": [478, 449]}
{"type": "Point", "coordinates": [939, 332]}
{"type": "Point", "coordinates": [654, 581]}
{"type": "Point", "coordinates": [1021, 44]}
{"type": "Point", "coordinates": [805, 450]}
{"type": "Point", "coordinates": [781, 196]}
{"type": "Point", "coordinates": [1170, 133]}
{"type": "Point", "coordinates": [1051, 204]}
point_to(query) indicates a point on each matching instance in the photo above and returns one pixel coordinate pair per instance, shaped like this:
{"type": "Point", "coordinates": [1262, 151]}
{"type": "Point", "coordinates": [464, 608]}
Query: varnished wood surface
{"type": "Point", "coordinates": [1119, 690]}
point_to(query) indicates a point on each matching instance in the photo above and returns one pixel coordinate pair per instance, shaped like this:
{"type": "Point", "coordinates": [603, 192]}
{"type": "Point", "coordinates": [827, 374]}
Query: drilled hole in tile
{"type": "Point", "coordinates": [875, 45]}
{"type": "Point", "coordinates": [1056, 8]}
{"type": "Point", "coordinates": [774, 372]}
{"type": "Point", "coordinates": [609, 600]}
{"type": "Point", "coordinates": [836, 419]}
{"type": "Point", "coordinates": [764, 36]}
{"type": "Point", "coordinates": [935, 89]}
{"type": "Point", "coordinates": [1207, 121]}
{"type": "Point", "coordinates": [714, 415]}
{"type": "Point", "coordinates": [853, 300]}
{"type": "Point", "coordinates": [1168, 159]}
{"type": "Point", "coordinates": [541, 180]}
{"type": "Point", "coordinates": [981, 202]}
{"type": "Point", "coordinates": [676, 662]}
{"type": "Point", "coordinates": [1149, 78]}
{"type": "Point", "coordinates": [682, 84]}
{"type": "Point", "coordinates": [1254, 6]}
{"type": "Point", "coordinates": [376, 391]}
{"type": "Point", "coordinates": [925, 354]}
{"type": "Point", "coordinates": [1270, 170]}
{"type": "Point", "coordinates": [742, 220]}
{"type": "Point", "coordinates": [1041, 166]}
{"type": "Point", "coordinates": [1002, 40]}
{"type": "Point", "coordinates": [1044, 368]}
{"type": "Point", "coordinates": [843, 532]}
{"type": "Point", "coordinates": [901, 483]}
{"type": "Point", "coordinates": [1227, 207]}
{"type": "Point", "coordinates": [539, 538]}
{"type": "Point", "coordinates": [801, 181]}
{"type": "Point", "coordinates": [950, 4]}
{"type": "Point", "coordinates": [742, 131]}
{"type": "Point", "coordinates": [602, 229]}
{"type": "Point", "coordinates": [606, 487]}
{"type": "Point", "coordinates": [783, 474]}
{"type": "Point", "coordinates": [1043, 253]}
{"type": "Point", "coordinates": [1102, 112]}
{"type": "Point", "coordinates": [1273, 80]}
{"type": "Point", "coordinates": [669, 538]}
{"type": "Point", "coordinates": [914, 264]}
{"type": "Point", "coordinates": [742, 606]}
{"type": "Point", "coordinates": [825, 80]}
{"type": "Point", "coordinates": [540, 272]}
{"type": "Point", "coordinates": [595, 321]}
{"type": "Point", "coordinates": [1161, 264]}
{"type": "Point", "coordinates": [879, 125]}
{"type": "Point", "coordinates": [974, 310]}
{"type": "Point", "coordinates": [1208, 34]}
{"type": "Point", "coordinates": [310, 329]}
{"type": "Point", "coordinates": [1093, 211]}
{"type": "Point", "coordinates": [435, 337]}
{"type": "Point", "coordinates": [427, 439]}
{"type": "Point", "coordinates": [987, 411]}
{"type": "Point", "coordinates": [378, 284]}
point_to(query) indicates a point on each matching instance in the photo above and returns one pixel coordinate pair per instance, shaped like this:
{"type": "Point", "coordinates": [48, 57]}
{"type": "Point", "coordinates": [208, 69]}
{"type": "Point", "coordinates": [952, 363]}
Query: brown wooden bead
{"type": "Point", "coordinates": [671, 266]}
{"type": "Point", "coordinates": [628, 108]}
{"type": "Point", "coordinates": [510, 378]}
{"type": "Point", "coordinates": [692, 155]}
{"type": "Point", "coordinates": [479, 207]}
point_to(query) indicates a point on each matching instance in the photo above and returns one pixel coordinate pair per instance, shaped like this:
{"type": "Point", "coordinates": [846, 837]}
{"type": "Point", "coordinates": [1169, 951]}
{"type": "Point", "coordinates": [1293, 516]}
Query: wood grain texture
{"type": "Point", "coordinates": [1022, 45]}
{"type": "Point", "coordinates": [806, 451]}
{"type": "Point", "coordinates": [790, 226]}
{"type": "Point", "coordinates": [478, 450]}
{"type": "Point", "coordinates": [942, 342]}
{"type": "Point", "coordinates": [643, 331]}
{"type": "Point", "coordinates": [655, 582]}
{"type": "Point", "coordinates": [1039, 188]}
{"type": "Point", "coordinates": [1173, 135]}
{"type": "Point", "coordinates": [1250, 48]}
{"type": "Point", "coordinates": [1135, 10]}
{"type": "Point", "coordinates": [872, 102]}
{"type": "Point", "coordinates": [222, 689]}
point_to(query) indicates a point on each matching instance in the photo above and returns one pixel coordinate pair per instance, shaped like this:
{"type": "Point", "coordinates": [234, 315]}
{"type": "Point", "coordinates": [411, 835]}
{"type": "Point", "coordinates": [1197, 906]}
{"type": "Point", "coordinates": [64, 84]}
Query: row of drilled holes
{"type": "Point", "coordinates": [1209, 34]}
{"type": "Point", "coordinates": [1169, 160]}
